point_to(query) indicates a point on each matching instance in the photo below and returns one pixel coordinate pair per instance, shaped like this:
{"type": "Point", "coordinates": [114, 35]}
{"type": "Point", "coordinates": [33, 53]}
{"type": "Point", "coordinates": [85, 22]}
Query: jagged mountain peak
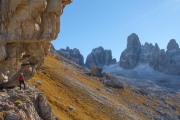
{"type": "Point", "coordinates": [72, 54]}
{"type": "Point", "coordinates": [130, 56]}
{"type": "Point", "coordinates": [99, 57]}
{"type": "Point", "coordinates": [133, 42]}
{"type": "Point", "coordinates": [159, 59]}
{"type": "Point", "coordinates": [172, 45]}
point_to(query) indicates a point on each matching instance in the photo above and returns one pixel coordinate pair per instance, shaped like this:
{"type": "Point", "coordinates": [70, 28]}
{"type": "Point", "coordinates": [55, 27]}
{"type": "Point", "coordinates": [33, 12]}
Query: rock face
{"type": "Point", "coordinates": [27, 27]}
{"type": "Point", "coordinates": [164, 61]}
{"type": "Point", "coordinates": [130, 56]}
{"type": "Point", "coordinates": [53, 50]}
{"type": "Point", "coordinates": [24, 105]}
{"type": "Point", "coordinates": [99, 57]}
{"type": "Point", "coordinates": [168, 61]}
{"type": "Point", "coordinates": [172, 45]}
{"type": "Point", "coordinates": [72, 54]}
{"type": "Point", "coordinates": [148, 51]}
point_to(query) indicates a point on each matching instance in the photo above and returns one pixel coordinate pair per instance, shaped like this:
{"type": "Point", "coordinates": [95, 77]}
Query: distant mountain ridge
{"type": "Point", "coordinates": [167, 61]}
{"type": "Point", "coordinates": [97, 58]}
{"type": "Point", "coordinates": [100, 57]}
{"type": "Point", "coordinates": [71, 54]}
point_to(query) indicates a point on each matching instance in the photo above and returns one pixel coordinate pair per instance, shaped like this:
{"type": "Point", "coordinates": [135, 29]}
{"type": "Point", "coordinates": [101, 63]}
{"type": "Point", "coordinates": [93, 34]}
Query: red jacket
{"type": "Point", "coordinates": [21, 78]}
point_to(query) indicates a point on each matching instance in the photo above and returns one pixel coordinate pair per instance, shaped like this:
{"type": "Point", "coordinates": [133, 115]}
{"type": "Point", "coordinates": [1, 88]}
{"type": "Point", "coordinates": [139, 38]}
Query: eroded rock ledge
{"type": "Point", "coordinates": [29, 104]}
{"type": "Point", "coordinates": [26, 29]}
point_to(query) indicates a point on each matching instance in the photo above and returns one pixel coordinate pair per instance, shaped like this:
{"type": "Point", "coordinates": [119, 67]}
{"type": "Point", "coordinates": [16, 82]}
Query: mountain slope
{"type": "Point", "coordinates": [73, 95]}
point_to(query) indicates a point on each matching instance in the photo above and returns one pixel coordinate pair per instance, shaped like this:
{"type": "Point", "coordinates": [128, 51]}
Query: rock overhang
{"type": "Point", "coordinates": [26, 29]}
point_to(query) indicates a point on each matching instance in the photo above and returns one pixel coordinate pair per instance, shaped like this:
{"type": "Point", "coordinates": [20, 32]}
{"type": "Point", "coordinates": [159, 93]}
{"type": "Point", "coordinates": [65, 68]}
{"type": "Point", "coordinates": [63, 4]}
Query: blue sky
{"type": "Point", "coordinates": [87, 24]}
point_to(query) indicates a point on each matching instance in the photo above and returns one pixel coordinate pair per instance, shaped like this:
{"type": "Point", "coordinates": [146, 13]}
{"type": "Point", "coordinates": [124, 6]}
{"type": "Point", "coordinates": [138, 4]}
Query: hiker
{"type": "Point", "coordinates": [21, 80]}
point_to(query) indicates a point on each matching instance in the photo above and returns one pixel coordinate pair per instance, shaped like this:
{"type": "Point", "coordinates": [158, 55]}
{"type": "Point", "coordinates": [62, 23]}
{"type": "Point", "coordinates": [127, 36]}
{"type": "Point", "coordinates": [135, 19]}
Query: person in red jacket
{"type": "Point", "coordinates": [21, 80]}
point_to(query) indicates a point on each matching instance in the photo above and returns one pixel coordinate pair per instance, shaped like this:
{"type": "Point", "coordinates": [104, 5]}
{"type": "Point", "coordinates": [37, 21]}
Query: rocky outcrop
{"type": "Point", "coordinates": [168, 61]}
{"type": "Point", "coordinates": [148, 52]}
{"type": "Point", "coordinates": [99, 57]}
{"type": "Point", "coordinates": [29, 104]}
{"type": "Point", "coordinates": [27, 27]}
{"type": "Point", "coordinates": [172, 45]}
{"type": "Point", "coordinates": [96, 71]}
{"type": "Point", "coordinates": [72, 54]}
{"type": "Point", "coordinates": [130, 56]}
{"type": "Point", "coordinates": [112, 81]}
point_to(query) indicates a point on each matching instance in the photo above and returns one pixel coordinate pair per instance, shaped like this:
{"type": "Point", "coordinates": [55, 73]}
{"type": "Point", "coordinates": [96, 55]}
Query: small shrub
{"type": "Point", "coordinates": [18, 102]}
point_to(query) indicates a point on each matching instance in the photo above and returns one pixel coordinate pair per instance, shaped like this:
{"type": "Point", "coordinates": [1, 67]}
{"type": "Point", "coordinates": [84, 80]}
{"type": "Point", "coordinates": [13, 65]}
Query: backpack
{"type": "Point", "coordinates": [21, 78]}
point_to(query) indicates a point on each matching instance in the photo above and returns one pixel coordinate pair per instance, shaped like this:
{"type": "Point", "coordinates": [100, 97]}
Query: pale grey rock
{"type": "Point", "coordinates": [71, 108]}
{"type": "Point", "coordinates": [43, 107]}
{"type": "Point", "coordinates": [34, 105]}
{"type": "Point", "coordinates": [112, 81]}
{"type": "Point", "coordinates": [99, 57]}
{"type": "Point", "coordinates": [38, 82]}
{"type": "Point", "coordinates": [130, 56]}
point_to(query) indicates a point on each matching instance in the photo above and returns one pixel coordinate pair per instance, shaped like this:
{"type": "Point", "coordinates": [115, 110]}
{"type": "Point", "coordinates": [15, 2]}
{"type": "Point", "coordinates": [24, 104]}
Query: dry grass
{"type": "Point", "coordinates": [62, 94]}
{"type": "Point", "coordinates": [65, 86]}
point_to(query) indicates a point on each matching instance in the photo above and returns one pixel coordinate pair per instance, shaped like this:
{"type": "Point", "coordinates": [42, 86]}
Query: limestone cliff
{"type": "Point", "coordinates": [130, 56]}
{"type": "Point", "coordinates": [167, 61]}
{"type": "Point", "coordinates": [26, 29]}
{"type": "Point", "coordinates": [99, 57]}
{"type": "Point", "coordinates": [72, 54]}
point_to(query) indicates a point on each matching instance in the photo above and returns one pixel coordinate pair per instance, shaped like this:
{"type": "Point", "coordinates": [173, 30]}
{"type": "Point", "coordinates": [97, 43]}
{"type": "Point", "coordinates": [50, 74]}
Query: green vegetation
{"type": "Point", "coordinates": [18, 102]}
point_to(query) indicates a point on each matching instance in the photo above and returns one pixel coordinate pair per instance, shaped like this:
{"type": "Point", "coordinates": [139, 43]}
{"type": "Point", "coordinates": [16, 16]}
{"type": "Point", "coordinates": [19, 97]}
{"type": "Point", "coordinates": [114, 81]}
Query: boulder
{"type": "Point", "coordinates": [71, 108]}
{"type": "Point", "coordinates": [12, 116]}
{"type": "Point", "coordinates": [112, 81]}
{"type": "Point", "coordinates": [96, 71]}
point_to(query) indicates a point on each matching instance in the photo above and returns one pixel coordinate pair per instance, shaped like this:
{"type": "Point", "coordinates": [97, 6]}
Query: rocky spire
{"type": "Point", "coordinates": [172, 45]}
{"type": "Point", "coordinates": [130, 56]}
{"type": "Point", "coordinates": [133, 43]}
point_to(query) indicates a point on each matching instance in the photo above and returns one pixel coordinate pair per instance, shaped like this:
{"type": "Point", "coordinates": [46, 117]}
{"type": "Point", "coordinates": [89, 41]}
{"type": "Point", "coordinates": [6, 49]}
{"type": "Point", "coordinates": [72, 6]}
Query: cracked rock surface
{"type": "Point", "coordinates": [26, 29]}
